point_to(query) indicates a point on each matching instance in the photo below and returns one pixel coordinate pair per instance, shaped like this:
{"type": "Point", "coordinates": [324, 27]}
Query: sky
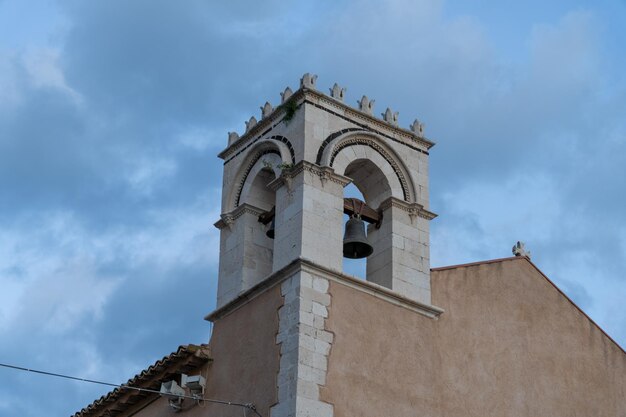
{"type": "Point", "coordinates": [112, 113]}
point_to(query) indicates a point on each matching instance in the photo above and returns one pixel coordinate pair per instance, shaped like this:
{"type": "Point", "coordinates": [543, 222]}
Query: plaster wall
{"type": "Point", "coordinates": [508, 344]}
{"type": "Point", "coordinates": [245, 362]}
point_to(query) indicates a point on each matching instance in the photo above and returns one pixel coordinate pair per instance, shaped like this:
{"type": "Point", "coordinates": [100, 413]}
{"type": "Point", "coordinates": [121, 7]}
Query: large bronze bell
{"type": "Point", "coordinates": [270, 231]}
{"type": "Point", "coordinates": [355, 244]}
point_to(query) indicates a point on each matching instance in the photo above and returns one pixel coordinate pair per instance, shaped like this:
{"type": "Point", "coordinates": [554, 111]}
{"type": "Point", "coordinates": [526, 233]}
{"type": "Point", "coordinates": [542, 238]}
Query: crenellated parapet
{"type": "Point", "coordinates": [308, 91]}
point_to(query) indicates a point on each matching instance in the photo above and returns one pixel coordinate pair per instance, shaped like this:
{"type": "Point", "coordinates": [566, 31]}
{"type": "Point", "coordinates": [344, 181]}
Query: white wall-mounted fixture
{"type": "Point", "coordinates": [172, 391]}
{"type": "Point", "coordinates": [195, 383]}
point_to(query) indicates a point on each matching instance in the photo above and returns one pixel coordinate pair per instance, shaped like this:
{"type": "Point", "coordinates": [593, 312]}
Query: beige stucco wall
{"type": "Point", "coordinates": [245, 362]}
{"type": "Point", "coordinates": [508, 344]}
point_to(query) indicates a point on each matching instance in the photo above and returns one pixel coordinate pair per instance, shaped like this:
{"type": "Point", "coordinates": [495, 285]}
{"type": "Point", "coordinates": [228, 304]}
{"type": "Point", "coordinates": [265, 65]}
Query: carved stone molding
{"type": "Point", "coordinates": [266, 110]}
{"type": "Point", "coordinates": [414, 209]}
{"type": "Point", "coordinates": [390, 117]}
{"type": "Point", "coordinates": [250, 124]}
{"type": "Point", "coordinates": [324, 173]}
{"type": "Point", "coordinates": [284, 96]}
{"type": "Point", "coordinates": [361, 117]}
{"type": "Point", "coordinates": [228, 219]}
{"type": "Point", "coordinates": [363, 140]}
{"type": "Point", "coordinates": [418, 128]}
{"type": "Point", "coordinates": [366, 105]}
{"type": "Point", "coordinates": [338, 93]}
{"type": "Point", "coordinates": [308, 81]}
{"type": "Point", "coordinates": [261, 129]}
{"type": "Point", "coordinates": [519, 249]}
{"type": "Point", "coordinates": [301, 264]}
{"type": "Point", "coordinates": [402, 135]}
{"type": "Point", "coordinates": [248, 168]}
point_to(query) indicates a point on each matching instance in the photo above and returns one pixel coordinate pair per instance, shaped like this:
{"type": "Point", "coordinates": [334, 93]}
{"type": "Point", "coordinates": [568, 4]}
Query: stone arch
{"type": "Point", "coordinates": [254, 190]}
{"type": "Point", "coordinates": [370, 173]}
{"type": "Point", "coordinates": [263, 158]}
{"type": "Point", "coordinates": [342, 151]}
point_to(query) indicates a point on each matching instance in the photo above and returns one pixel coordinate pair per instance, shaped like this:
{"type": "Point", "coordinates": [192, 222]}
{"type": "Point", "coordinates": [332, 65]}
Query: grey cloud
{"type": "Point", "coordinates": [150, 74]}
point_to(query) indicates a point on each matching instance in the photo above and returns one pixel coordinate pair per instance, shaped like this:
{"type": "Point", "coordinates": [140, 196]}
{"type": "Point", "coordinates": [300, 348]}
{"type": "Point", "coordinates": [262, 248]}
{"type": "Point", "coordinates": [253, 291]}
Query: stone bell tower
{"type": "Point", "coordinates": [288, 172]}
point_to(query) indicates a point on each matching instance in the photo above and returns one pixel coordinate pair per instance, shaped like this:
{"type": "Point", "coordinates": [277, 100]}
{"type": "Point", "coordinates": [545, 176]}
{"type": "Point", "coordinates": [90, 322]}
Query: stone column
{"type": "Point", "coordinates": [401, 258]}
{"type": "Point", "coordinates": [245, 252]}
{"type": "Point", "coordinates": [304, 346]}
{"type": "Point", "coordinates": [309, 216]}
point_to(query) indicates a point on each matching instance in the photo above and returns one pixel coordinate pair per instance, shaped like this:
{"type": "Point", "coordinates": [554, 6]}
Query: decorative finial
{"type": "Point", "coordinates": [390, 117]}
{"type": "Point", "coordinates": [337, 92]}
{"type": "Point", "coordinates": [366, 105]}
{"type": "Point", "coordinates": [250, 123]}
{"type": "Point", "coordinates": [520, 250]}
{"type": "Point", "coordinates": [233, 137]}
{"type": "Point", "coordinates": [284, 96]}
{"type": "Point", "coordinates": [266, 109]}
{"type": "Point", "coordinates": [418, 128]}
{"type": "Point", "coordinates": [308, 81]}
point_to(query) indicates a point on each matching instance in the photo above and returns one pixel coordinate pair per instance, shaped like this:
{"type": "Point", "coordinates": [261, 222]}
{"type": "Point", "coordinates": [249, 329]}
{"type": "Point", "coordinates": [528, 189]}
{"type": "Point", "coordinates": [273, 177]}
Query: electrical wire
{"type": "Point", "coordinates": [246, 406]}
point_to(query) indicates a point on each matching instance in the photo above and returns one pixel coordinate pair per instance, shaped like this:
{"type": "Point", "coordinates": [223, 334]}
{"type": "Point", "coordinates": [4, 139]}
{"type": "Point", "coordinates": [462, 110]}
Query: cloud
{"type": "Point", "coordinates": [42, 66]}
{"type": "Point", "coordinates": [109, 185]}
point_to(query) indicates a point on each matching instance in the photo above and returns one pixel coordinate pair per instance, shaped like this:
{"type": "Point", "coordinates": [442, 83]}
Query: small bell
{"type": "Point", "coordinates": [355, 244]}
{"type": "Point", "coordinates": [270, 231]}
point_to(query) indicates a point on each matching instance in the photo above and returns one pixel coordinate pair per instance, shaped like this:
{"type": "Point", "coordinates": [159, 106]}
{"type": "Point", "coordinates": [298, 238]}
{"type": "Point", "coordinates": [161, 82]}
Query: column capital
{"type": "Point", "coordinates": [324, 173]}
{"type": "Point", "coordinates": [227, 219]}
{"type": "Point", "coordinates": [414, 209]}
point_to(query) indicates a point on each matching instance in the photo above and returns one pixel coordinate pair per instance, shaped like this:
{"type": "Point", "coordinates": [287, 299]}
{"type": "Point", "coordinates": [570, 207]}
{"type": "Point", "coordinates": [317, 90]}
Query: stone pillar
{"type": "Point", "coordinates": [309, 216]}
{"type": "Point", "coordinates": [304, 346]}
{"type": "Point", "coordinates": [401, 258]}
{"type": "Point", "coordinates": [245, 252]}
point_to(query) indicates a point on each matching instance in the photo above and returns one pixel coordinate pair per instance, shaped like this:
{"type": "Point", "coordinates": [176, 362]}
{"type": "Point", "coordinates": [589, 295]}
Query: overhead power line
{"type": "Point", "coordinates": [249, 406]}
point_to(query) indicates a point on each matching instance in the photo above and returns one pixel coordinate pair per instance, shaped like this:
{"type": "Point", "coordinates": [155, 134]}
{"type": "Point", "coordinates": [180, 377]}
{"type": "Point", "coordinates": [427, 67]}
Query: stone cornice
{"type": "Point", "coordinates": [264, 126]}
{"type": "Point", "coordinates": [370, 120]}
{"type": "Point", "coordinates": [320, 99]}
{"type": "Point", "coordinates": [325, 174]}
{"type": "Point", "coordinates": [306, 265]}
{"type": "Point", "coordinates": [414, 209]}
{"type": "Point", "coordinates": [227, 219]}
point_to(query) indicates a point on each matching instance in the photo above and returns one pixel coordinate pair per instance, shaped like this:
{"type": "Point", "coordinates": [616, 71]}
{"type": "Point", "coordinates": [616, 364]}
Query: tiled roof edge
{"type": "Point", "coordinates": [183, 352]}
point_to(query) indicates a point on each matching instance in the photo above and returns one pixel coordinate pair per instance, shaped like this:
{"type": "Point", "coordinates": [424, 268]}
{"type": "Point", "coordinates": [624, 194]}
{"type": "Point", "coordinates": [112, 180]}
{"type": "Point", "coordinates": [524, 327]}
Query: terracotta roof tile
{"type": "Point", "coordinates": [186, 358]}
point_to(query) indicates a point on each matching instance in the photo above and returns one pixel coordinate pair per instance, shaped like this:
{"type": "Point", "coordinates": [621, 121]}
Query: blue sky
{"type": "Point", "coordinates": [112, 112]}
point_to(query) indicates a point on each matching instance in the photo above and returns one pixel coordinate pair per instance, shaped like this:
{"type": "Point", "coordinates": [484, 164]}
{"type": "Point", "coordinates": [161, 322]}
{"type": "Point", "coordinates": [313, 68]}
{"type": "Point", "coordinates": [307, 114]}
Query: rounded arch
{"type": "Point", "coordinates": [254, 190]}
{"type": "Point", "coordinates": [271, 151]}
{"type": "Point", "coordinates": [345, 149]}
{"type": "Point", "coordinates": [370, 173]}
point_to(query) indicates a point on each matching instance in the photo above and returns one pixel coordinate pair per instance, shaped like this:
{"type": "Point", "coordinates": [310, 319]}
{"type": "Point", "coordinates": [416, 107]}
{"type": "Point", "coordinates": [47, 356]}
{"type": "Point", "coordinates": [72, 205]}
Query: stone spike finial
{"type": "Point", "coordinates": [417, 128]}
{"type": "Point", "coordinates": [366, 105]}
{"type": "Point", "coordinates": [250, 123]}
{"type": "Point", "coordinates": [519, 249]}
{"type": "Point", "coordinates": [284, 96]}
{"type": "Point", "coordinates": [266, 109]}
{"type": "Point", "coordinates": [337, 92]}
{"type": "Point", "coordinates": [233, 137]}
{"type": "Point", "coordinates": [390, 117]}
{"type": "Point", "coordinates": [308, 81]}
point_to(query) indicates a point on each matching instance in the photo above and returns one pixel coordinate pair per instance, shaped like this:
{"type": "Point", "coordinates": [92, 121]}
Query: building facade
{"type": "Point", "coordinates": [297, 336]}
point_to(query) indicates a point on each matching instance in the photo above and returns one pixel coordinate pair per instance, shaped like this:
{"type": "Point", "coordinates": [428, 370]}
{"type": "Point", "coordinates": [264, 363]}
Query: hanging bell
{"type": "Point", "coordinates": [355, 244]}
{"type": "Point", "coordinates": [270, 231]}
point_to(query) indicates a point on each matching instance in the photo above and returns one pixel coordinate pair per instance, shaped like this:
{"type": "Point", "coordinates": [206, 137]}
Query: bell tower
{"type": "Point", "coordinates": [282, 221]}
